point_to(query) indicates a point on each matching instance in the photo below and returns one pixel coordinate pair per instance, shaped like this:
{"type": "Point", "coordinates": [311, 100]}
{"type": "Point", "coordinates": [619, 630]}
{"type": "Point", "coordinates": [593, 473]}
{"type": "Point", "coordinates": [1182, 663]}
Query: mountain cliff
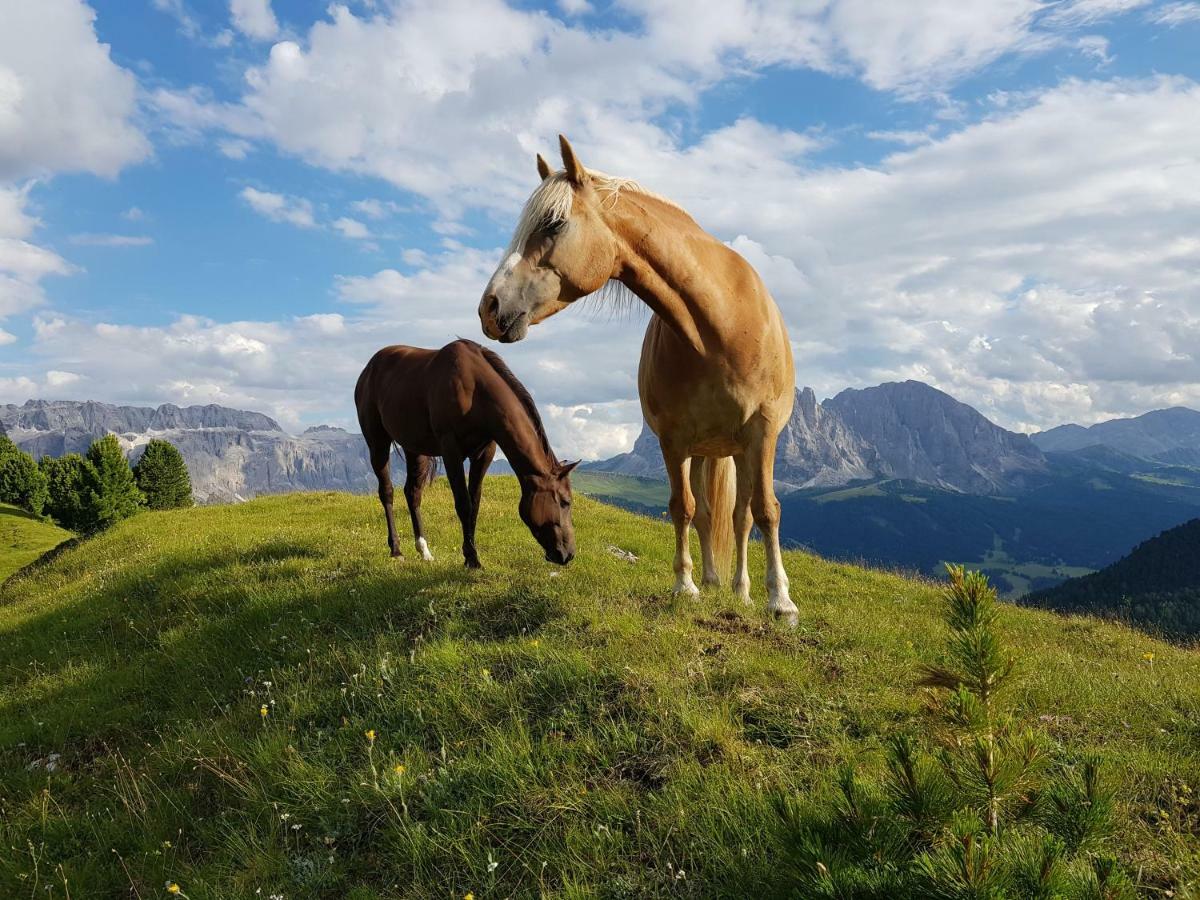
{"type": "Point", "coordinates": [907, 430]}
{"type": "Point", "coordinates": [922, 434]}
{"type": "Point", "coordinates": [231, 454]}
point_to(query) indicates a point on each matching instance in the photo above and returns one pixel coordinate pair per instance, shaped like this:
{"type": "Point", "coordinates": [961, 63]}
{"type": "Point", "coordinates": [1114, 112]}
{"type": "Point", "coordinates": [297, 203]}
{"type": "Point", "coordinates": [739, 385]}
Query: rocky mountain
{"type": "Point", "coordinates": [907, 431]}
{"type": "Point", "coordinates": [231, 454]}
{"type": "Point", "coordinates": [1166, 435]}
{"type": "Point", "coordinates": [922, 434]}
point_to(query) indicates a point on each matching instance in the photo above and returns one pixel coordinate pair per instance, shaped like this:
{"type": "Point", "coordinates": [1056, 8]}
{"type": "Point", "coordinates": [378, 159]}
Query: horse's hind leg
{"type": "Point", "coordinates": [703, 522]}
{"type": "Point", "coordinates": [420, 473]}
{"type": "Point", "coordinates": [742, 522]}
{"type": "Point", "coordinates": [381, 454]}
{"type": "Point", "coordinates": [453, 462]}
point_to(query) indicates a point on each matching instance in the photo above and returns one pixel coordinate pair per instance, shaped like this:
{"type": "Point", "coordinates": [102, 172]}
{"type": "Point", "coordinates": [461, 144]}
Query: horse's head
{"type": "Point", "coordinates": [561, 250]}
{"type": "Point", "coordinates": [546, 510]}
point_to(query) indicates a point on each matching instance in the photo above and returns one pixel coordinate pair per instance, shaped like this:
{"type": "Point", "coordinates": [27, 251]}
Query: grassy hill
{"type": "Point", "coordinates": [25, 537]}
{"type": "Point", "coordinates": [187, 699]}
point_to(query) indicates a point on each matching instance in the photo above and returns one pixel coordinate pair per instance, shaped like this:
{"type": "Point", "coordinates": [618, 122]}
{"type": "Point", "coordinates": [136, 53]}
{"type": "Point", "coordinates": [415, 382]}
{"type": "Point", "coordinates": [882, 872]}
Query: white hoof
{"type": "Point", "coordinates": [423, 549]}
{"type": "Point", "coordinates": [686, 587]}
{"type": "Point", "coordinates": [783, 609]}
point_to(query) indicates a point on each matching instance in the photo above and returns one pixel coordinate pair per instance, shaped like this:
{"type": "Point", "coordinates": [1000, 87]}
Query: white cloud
{"type": "Point", "coordinates": [1173, 14]}
{"type": "Point", "coordinates": [352, 228]}
{"type": "Point", "coordinates": [280, 207]}
{"type": "Point", "coordinates": [7, 337]}
{"type": "Point", "coordinates": [234, 148]}
{"type": "Point", "coordinates": [254, 18]}
{"type": "Point", "coordinates": [22, 264]}
{"type": "Point", "coordinates": [64, 104]}
{"type": "Point", "coordinates": [133, 214]}
{"type": "Point", "coordinates": [112, 240]}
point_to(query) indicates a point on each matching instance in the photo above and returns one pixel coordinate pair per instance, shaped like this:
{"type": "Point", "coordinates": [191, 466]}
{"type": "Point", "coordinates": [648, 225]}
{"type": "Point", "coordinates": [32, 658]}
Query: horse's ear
{"type": "Point", "coordinates": [543, 167]}
{"type": "Point", "coordinates": [575, 170]}
{"type": "Point", "coordinates": [565, 468]}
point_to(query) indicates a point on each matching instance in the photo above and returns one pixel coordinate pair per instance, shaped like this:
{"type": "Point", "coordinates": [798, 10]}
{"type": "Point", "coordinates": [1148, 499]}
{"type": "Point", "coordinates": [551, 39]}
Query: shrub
{"type": "Point", "coordinates": [162, 477]}
{"type": "Point", "coordinates": [21, 482]}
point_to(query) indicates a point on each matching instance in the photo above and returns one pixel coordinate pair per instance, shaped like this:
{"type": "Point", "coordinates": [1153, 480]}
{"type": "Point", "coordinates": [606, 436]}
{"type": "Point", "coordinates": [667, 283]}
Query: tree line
{"type": "Point", "coordinates": [88, 493]}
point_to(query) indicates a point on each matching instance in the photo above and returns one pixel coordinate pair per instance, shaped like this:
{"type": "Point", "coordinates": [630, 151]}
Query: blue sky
{"type": "Point", "coordinates": [236, 201]}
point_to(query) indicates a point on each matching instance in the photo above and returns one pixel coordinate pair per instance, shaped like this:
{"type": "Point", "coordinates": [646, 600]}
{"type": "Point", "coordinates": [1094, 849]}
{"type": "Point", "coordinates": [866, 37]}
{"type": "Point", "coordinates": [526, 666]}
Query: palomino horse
{"type": "Point", "coordinates": [459, 403]}
{"type": "Point", "coordinates": [716, 377]}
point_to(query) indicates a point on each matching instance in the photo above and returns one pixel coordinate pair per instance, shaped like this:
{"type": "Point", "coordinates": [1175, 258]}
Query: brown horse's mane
{"type": "Point", "coordinates": [523, 395]}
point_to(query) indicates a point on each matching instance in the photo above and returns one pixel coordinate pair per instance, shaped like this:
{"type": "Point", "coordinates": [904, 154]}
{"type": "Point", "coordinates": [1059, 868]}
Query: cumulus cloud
{"type": "Point", "coordinates": [112, 240]}
{"type": "Point", "coordinates": [51, 60]}
{"type": "Point", "coordinates": [22, 264]}
{"type": "Point", "coordinates": [280, 207]}
{"type": "Point", "coordinates": [352, 228]}
{"type": "Point", "coordinates": [254, 18]}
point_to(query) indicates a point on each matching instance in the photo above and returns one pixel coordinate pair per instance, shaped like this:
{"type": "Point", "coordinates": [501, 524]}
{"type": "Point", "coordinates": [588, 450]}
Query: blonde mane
{"type": "Point", "coordinates": [550, 203]}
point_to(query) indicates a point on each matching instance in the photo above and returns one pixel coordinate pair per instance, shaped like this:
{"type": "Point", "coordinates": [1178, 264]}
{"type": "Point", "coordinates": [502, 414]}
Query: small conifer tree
{"type": "Point", "coordinates": [21, 481]}
{"type": "Point", "coordinates": [162, 477]}
{"type": "Point", "coordinates": [110, 493]}
{"type": "Point", "coordinates": [66, 478]}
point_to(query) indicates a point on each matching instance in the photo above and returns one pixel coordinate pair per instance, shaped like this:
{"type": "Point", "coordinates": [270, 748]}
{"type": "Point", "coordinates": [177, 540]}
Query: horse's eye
{"type": "Point", "coordinates": [566, 504]}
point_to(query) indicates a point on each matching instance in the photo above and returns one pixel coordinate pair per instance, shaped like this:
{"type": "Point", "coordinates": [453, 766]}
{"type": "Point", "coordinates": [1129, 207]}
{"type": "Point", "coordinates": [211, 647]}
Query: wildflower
{"type": "Point", "coordinates": [173, 888]}
{"type": "Point", "coordinates": [370, 733]}
{"type": "Point", "coordinates": [469, 895]}
{"type": "Point", "coordinates": [262, 710]}
{"type": "Point", "coordinates": [534, 643]}
{"type": "Point", "coordinates": [1148, 657]}
{"type": "Point", "coordinates": [486, 673]}
{"type": "Point", "coordinates": [399, 770]}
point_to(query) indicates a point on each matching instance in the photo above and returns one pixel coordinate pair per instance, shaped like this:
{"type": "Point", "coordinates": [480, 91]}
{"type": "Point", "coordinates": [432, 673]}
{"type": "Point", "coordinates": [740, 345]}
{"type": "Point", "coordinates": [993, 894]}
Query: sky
{"type": "Point", "coordinates": [238, 201]}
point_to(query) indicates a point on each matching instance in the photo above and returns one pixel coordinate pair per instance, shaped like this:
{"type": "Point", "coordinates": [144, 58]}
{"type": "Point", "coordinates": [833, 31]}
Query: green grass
{"type": "Point", "coordinates": [643, 494]}
{"type": "Point", "coordinates": [563, 732]}
{"type": "Point", "coordinates": [24, 537]}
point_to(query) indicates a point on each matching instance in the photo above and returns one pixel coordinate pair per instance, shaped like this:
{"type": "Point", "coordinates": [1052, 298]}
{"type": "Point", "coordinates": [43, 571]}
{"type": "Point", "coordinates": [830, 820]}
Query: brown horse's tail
{"type": "Point", "coordinates": [719, 482]}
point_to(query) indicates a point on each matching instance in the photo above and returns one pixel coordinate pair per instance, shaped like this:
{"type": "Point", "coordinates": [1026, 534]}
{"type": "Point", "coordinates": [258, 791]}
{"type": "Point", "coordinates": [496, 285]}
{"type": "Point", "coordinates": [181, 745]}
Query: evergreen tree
{"type": "Point", "coordinates": [110, 493]}
{"type": "Point", "coordinates": [21, 482]}
{"type": "Point", "coordinates": [67, 478]}
{"type": "Point", "coordinates": [162, 476]}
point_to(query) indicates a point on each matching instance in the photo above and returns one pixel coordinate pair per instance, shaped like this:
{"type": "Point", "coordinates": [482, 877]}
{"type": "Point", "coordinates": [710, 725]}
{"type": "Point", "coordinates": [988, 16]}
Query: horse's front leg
{"type": "Point", "coordinates": [479, 466]}
{"type": "Point", "coordinates": [683, 508]}
{"type": "Point", "coordinates": [462, 506]}
{"type": "Point", "coordinates": [742, 523]}
{"type": "Point", "coordinates": [765, 509]}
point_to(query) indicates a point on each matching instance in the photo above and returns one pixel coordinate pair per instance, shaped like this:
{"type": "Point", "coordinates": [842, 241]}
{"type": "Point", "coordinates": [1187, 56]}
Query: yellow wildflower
{"type": "Point", "coordinates": [486, 673]}
{"type": "Point", "coordinates": [1148, 657]}
{"type": "Point", "coordinates": [399, 770]}
{"type": "Point", "coordinates": [262, 711]}
{"type": "Point", "coordinates": [370, 733]}
{"type": "Point", "coordinates": [534, 643]}
{"type": "Point", "coordinates": [469, 895]}
{"type": "Point", "coordinates": [173, 888]}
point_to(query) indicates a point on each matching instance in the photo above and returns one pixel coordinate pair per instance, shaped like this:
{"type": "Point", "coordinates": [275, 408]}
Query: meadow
{"type": "Point", "coordinates": [24, 537]}
{"type": "Point", "coordinates": [256, 701]}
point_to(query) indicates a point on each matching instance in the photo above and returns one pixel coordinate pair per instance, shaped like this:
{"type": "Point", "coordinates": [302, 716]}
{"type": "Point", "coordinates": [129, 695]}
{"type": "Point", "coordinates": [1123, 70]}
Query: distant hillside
{"type": "Point", "coordinates": [255, 700]}
{"type": "Point", "coordinates": [1158, 583]}
{"type": "Point", "coordinates": [24, 537]}
{"type": "Point", "coordinates": [1167, 435]}
{"type": "Point", "coordinates": [231, 454]}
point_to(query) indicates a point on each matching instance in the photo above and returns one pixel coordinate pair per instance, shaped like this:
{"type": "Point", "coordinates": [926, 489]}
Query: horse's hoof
{"type": "Point", "coordinates": [710, 581]}
{"type": "Point", "coordinates": [396, 554]}
{"type": "Point", "coordinates": [686, 589]}
{"type": "Point", "coordinates": [423, 549]}
{"type": "Point", "coordinates": [789, 618]}
{"type": "Point", "coordinates": [473, 564]}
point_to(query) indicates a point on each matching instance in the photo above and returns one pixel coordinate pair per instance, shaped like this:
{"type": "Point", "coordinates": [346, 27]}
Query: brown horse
{"type": "Point", "coordinates": [459, 403]}
{"type": "Point", "coordinates": [716, 377]}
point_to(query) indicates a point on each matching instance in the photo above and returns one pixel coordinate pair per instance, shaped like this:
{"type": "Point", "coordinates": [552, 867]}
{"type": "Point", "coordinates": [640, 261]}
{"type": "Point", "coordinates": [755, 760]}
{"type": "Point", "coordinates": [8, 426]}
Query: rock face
{"type": "Point", "coordinates": [922, 434]}
{"type": "Point", "coordinates": [230, 454]}
{"type": "Point", "coordinates": [1167, 435]}
{"type": "Point", "coordinates": [909, 431]}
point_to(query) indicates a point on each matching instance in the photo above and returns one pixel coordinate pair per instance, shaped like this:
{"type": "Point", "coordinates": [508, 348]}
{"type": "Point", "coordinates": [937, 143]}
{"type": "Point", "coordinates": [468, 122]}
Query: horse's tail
{"type": "Point", "coordinates": [719, 482]}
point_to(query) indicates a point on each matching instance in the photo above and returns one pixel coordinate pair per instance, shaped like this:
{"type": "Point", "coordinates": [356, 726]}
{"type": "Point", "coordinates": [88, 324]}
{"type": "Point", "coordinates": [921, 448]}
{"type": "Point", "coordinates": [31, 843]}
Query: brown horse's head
{"type": "Point", "coordinates": [546, 510]}
{"type": "Point", "coordinates": [561, 250]}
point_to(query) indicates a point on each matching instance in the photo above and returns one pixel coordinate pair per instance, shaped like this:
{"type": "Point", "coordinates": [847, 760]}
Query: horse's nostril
{"type": "Point", "coordinates": [492, 305]}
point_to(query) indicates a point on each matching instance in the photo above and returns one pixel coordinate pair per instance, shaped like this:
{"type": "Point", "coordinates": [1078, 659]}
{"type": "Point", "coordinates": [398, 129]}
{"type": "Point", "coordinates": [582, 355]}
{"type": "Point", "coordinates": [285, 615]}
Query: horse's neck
{"type": "Point", "coordinates": [516, 434]}
{"type": "Point", "coordinates": [663, 252]}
